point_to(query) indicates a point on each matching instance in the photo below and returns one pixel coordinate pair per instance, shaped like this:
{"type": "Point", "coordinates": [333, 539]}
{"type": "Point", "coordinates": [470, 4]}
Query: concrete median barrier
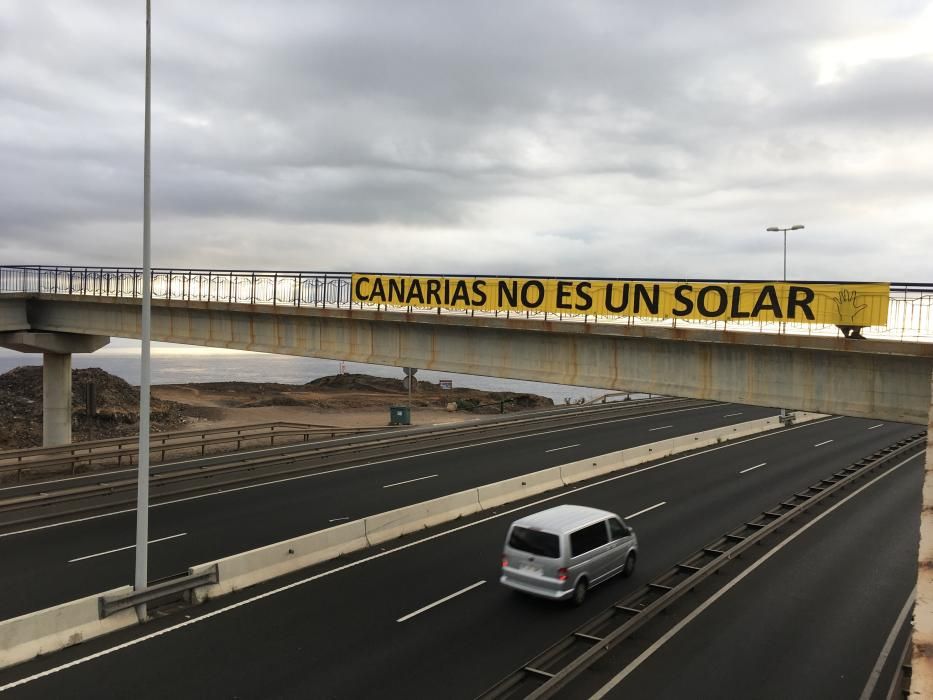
{"type": "Point", "coordinates": [686, 443]}
{"type": "Point", "coordinates": [248, 568]}
{"type": "Point", "coordinates": [641, 454]}
{"type": "Point", "coordinates": [588, 468]}
{"type": "Point", "coordinates": [44, 631]}
{"type": "Point", "coordinates": [520, 487]}
{"type": "Point", "coordinates": [401, 521]}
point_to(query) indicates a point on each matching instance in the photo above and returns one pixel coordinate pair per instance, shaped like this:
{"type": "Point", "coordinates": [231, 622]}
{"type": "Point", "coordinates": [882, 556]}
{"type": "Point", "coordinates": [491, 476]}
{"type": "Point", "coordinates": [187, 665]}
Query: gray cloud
{"type": "Point", "coordinates": [594, 138]}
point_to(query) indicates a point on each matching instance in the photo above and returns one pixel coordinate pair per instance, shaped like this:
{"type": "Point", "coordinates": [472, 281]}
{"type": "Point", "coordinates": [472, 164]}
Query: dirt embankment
{"type": "Point", "coordinates": [347, 400]}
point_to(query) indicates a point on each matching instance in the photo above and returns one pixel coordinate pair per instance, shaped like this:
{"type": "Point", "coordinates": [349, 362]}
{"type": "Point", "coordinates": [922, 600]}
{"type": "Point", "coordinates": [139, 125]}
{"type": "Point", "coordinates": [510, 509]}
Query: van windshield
{"type": "Point", "coordinates": [544, 544]}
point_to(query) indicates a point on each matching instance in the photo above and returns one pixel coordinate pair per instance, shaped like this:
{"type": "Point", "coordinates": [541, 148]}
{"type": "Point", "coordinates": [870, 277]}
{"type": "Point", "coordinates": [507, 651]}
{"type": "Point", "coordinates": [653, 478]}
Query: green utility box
{"type": "Point", "coordinates": [399, 415]}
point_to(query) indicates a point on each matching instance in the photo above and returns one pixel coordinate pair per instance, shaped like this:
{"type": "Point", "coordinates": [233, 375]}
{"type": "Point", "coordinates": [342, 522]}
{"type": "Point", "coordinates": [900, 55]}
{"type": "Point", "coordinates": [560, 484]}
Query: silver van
{"type": "Point", "coordinates": [562, 552]}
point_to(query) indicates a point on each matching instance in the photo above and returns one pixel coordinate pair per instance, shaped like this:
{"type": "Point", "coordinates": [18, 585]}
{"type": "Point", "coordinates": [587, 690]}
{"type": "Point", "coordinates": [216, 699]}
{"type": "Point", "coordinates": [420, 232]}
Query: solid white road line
{"type": "Point", "coordinates": [67, 478]}
{"type": "Point", "coordinates": [337, 520]}
{"type": "Point", "coordinates": [755, 467]}
{"type": "Point", "coordinates": [343, 469]}
{"type": "Point", "coordinates": [410, 481]}
{"type": "Point", "coordinates": [875, 675]}
{"type": "Point", "coordinates": [379, 555]}
{"type": "Point", "coordinates": [875, 426]}
{"type": "Point", "coordinates": [566, 447]}
{"type": "Point", "coordinates": [729, 415]}
{"type": "Point", "coordinates": [825, 442]}
{"type": "Point", "coordinates": [619, 677]}
{"type": "Point", "coordinates": [645, 510]}
{"type": "Point", "coordinates": [123, 549]}
{"type": "Point", "coordinates": [663, 427]}
{"type": "Point", "coordinates": [438, 602]}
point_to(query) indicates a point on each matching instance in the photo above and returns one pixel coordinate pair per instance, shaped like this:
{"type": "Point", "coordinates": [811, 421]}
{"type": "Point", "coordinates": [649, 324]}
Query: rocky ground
{"type": "Point", "coordinates": [350, 400]}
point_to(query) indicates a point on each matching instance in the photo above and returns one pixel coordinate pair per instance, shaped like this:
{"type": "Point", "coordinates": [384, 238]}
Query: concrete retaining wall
{"type": "Point", "coordinates": [25, 637]}
{"type": "Point", "coordinates": [921, 679]}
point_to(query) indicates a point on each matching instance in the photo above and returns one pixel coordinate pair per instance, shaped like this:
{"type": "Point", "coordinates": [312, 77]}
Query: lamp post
{"type": "Point", "coordinates": [786, 416]}
{"type": "Point", "coordinates": [141, 574]}
{"type": "Point", "coordinates": [795, 227]}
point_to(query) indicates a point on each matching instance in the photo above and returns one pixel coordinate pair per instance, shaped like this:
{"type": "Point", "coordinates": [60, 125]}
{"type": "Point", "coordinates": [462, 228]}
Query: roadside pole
{"type": "Point", "coordinates": [141, 578]}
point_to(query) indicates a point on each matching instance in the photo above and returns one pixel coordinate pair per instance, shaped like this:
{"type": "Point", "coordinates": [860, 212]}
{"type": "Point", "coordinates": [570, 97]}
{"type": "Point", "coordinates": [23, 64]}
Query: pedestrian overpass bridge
{"type": "Point", "coordinates": [788, 364]}
{"type": "Point", "coordinates": [776, 359]}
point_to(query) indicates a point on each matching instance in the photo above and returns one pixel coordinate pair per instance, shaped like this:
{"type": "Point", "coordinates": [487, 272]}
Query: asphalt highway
{"type": "Point", "coordinates": [44, 566]}
{"type": "Point", "coordinates": [445, 433]}
{"type": "Point", "coordinates": [424, 617]}
{"type": "Point", "coordinates": [775, 638]}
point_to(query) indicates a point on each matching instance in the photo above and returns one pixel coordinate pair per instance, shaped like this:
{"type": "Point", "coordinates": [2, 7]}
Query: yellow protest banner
{"type": "Point", "coordinates": [795, 302]}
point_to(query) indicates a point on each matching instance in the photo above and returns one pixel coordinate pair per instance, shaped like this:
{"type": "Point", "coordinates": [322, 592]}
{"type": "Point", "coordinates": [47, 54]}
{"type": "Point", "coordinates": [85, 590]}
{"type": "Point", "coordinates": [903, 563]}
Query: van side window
{"type": "Point", "coordinates": [588, 538]}
{"type": "Point", "coordinates": [617, 530]}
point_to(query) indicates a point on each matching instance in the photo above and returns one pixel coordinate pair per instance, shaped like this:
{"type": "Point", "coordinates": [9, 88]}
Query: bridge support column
{"type": "Point", "coordinates": [56, 399]}
{"type": "Point", "coordinates": [56, 349]}
{"type": "Point", "coordinates": [921, 683]}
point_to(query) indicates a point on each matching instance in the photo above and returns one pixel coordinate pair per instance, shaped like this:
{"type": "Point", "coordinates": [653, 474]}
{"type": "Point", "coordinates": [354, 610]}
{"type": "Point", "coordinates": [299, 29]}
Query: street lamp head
{"type": "Point", "coordinates": [796, 227]}
{"type": "Point", "coordinates": [772, 228]}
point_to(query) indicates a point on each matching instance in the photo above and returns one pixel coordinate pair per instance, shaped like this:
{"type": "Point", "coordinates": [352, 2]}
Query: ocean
{"type": "Point", "coordinates": [174, 364]}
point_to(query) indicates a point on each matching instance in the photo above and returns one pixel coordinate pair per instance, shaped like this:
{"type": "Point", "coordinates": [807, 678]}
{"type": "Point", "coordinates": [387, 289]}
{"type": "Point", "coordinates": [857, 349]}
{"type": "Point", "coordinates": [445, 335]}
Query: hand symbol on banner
{"type": "Point", "coordinates": [847, 308]}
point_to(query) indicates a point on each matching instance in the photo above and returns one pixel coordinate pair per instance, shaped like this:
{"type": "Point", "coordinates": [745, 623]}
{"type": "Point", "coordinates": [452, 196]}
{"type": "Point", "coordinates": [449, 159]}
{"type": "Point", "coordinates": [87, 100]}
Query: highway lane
{"type": "Point", "coordinates": [397, 438]}
{"type": "Point", "coordinates": [810, 622]}
{"type": "Point", "coordinates": [50, 565]}
{"type": "Point", "coordinates": [336, 632]}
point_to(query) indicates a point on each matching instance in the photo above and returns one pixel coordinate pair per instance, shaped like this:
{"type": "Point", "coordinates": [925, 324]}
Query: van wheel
{"type": "Point", "coordinates": [629, 567]}
{"type": "Point", "coordinates": [579, 592]}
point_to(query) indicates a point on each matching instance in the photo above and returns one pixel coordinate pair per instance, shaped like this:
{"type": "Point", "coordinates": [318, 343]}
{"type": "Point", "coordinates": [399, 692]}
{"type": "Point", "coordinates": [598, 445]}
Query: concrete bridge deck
{"type": "Point", "coordinates": [883, 379]}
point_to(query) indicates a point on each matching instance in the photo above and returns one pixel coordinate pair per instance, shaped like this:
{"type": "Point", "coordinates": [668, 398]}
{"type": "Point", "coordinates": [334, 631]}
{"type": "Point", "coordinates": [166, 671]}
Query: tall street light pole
{"type": "Point", "coordinates": [795, 227]}
{"type": "Point", "coordinates": [786, 416]}
{"type": "Point", "coordinates": [141, 578]}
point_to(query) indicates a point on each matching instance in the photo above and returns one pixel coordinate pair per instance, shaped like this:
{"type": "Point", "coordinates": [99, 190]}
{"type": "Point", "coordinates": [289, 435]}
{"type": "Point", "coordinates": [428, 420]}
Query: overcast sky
{"type": "Point", "coordinates": [584, 138]}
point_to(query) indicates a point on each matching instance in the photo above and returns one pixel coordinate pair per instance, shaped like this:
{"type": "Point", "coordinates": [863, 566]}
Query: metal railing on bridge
{"type": "Point", "coordinates": [910, 311]}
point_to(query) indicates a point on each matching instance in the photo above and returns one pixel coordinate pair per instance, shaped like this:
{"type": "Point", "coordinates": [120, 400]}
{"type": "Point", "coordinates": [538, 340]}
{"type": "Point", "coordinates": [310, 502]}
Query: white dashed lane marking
{"type": "Point", "coordinates": [409, 481]}
{"type": "Point", "coordinates": [645, 510]}
{"type": "Point", "coordinates": [439, 602]}
{"type": "Point", "coordinates": [565, 447]}
{"type": "Point", "coordinates": [755, 467]}
{"type": "Point", "coordinates": [123, 549]}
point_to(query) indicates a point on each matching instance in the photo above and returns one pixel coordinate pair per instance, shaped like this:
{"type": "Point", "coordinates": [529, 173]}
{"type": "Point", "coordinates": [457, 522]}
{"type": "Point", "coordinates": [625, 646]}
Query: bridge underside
{"type": "Point", "coordinates": [865, 378]}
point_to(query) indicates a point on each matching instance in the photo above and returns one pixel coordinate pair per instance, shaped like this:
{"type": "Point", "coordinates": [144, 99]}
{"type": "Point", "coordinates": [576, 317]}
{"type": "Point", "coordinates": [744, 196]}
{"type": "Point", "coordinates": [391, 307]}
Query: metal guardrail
{"type": "Point", "coordinates": [118, 452]}
{"type": "Point", "coordinates": [900, 684]}
{"type": "Point", "coordinates": [161, 438]}
{"type": "Point", "coordinates": [556, 667]}
{"type": "Point", "coordinates": [910, 310]}
{"type": "Point", "coordinates": [108, 605]}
